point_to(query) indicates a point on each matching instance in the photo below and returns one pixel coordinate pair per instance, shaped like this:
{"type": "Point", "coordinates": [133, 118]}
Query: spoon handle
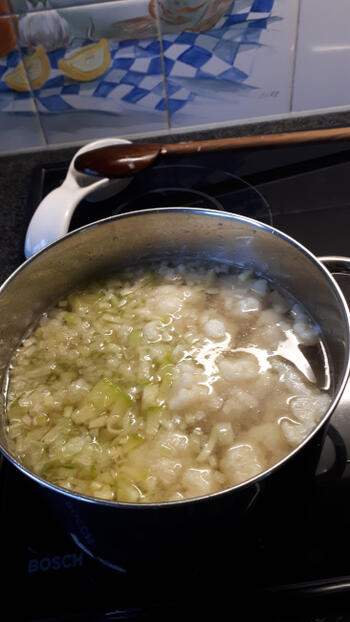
{"type": "Point", "coordinates": [261, 141]}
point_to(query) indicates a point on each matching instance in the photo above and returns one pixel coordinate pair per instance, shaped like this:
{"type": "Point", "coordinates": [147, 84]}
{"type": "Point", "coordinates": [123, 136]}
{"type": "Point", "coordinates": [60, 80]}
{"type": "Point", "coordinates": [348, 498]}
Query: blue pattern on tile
{"type": "Point", "coordinates": [12, 59]}
{"type": "Point", "coordinates": [234, 75]}
{"type": "Point", "coordinates": [172, 88]}
{"type": "Point", "coordinates": [161, 105]}
{"type": "Point", "coordinates": [262, 6]}
{"type": "Point", "coordinates": [20, 96]}
{"type": "Point", "coordinates": [158, 89]}
{"type": "Point", "coordinates": [166, 44]}
{"type": "Point", "coordinates": [128, 43]}
{"type": "Point", "coordinates": [175, 105]}
{"type": "Point", "coordinates": [55, 103]}
{"type": "Point", "coordinates": [227, 50]}
{"type": "Point", "coordinates": [156, 67]}
{"type": "Point", "coordinates": [195, 64]}
{"type": "Point", "coordinates": [104, 89]}
{"type": "Point", "coordinates": [186, 37]}
{"type": "Point", "coordinates": [55, 82]}
{"type": "Point", "coordinates": [132, 77]}
{"type": "Point", "coordinates": [152, 48]}
{"type": "Point", "coordinates": [71, 89]}
{"type": "Point", "coordinates": [236, 19]}
{"type": "Point", "coordinates": [195, 56]}
{"type": "Point", "coordinates": [135, 95]}
{"type": "Point", "coordinates": [258, 24]}
{"type": "Point", "coordinates": [123, 63]}
{"type": "Point", "coordinates": [55, 56]}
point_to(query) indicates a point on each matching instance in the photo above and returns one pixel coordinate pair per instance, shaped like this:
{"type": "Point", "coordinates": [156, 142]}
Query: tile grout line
{"type": "Point", "coordinates": [296, 41]}
{"type": "Point", "coordinates": [35, 105]}
{"type": "Point", "coordinates": [161, 51]}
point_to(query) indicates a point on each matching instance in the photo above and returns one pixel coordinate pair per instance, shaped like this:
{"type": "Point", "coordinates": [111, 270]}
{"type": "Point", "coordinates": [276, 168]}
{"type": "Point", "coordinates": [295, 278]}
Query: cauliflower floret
{"type": "Point", "coordinates": [241, 462]}
{"type": "Point", "coordinates": [268, 316]}
{"type": "Point", "coordinates": [243, 367]}
{"type": "Point", "coordinates": [186, 389]}
{"type": "Point", "coordinates": [198, 482]}
{"type": "Point", "coordinates": [166, 470]}
{"type": "Point", "coordinates": [215, 329]}
{"type": "Point", "coordinates": [170, 298]}
{"type": "Point", "coordinates": [307, 333]}
{"type": "Point", "coordinates": [240, 402]}
{"type": "Point", "coordinates": [177, 442]}
{"type": "Point", "coordinates": [295, 432]}
{"type": "Point", "coordinates": [259, 286]}
{"type": "Point", "coordinates": [291, 378]}
{"type": "Point", "coordinates": [152, 331]}
{"type": "Point", "coordinates": [310, 408]}
{"type": "Point", "coordinates": [249, 304]}
{"type": "Point", "coordinates": [271, 437]}
{"type": "Point", "coordinates": [184, 398]}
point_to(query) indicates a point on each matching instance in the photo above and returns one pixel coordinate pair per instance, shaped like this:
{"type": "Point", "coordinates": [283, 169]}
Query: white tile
{"type": "Point", "coordinates": [322, 71]}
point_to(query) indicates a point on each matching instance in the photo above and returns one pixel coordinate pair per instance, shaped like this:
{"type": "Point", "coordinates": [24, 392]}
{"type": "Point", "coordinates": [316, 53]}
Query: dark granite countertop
{"type": "Point", "coordinates": [17, 169]}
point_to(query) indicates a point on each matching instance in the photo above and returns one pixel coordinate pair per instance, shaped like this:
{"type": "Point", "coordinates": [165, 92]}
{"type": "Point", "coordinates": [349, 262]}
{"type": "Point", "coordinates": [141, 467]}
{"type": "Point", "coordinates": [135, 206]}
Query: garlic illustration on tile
{"type": "Point", "coordinates": [43, 27]}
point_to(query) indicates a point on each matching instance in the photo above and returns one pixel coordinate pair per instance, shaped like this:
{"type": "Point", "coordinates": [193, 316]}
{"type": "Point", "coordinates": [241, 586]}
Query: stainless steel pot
{"type": "Point", "coordinates": [122, 534]}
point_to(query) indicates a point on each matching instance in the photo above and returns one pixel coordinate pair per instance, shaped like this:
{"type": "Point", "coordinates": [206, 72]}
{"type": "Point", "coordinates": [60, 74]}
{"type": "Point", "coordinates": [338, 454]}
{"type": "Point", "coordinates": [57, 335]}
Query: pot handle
{"type": "Point", "coordinates": [336, 264]}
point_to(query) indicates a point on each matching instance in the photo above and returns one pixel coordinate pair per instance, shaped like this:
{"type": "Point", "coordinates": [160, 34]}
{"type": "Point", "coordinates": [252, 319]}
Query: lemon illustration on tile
{"type": "Point", "coordinates": [32, 71]}
{"type": "Point", "coordinates": [87, 63]}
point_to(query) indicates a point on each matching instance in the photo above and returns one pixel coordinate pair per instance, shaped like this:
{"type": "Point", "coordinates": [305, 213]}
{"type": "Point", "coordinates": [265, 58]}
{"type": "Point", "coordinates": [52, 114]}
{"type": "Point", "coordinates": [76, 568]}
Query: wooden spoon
{"type": "Point", "coordinates": [118, 161]}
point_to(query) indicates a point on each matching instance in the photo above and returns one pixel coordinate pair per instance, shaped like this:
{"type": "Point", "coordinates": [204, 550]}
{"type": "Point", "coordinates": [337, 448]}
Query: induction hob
{"type": "Point", "coordinates": [301, 573]}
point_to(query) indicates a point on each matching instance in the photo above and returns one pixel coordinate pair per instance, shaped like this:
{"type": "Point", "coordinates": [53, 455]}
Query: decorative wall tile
{"type": "Point", "coordinates": [89, 75]}
{"type": "Point", "coordinates": [322, 72]}
{"type": "Point", "coordinates": [227, 60]}
{"type": "Point", "coordinates": [19, 125]}
{"type": "Point", "coordinates": [30, 6]}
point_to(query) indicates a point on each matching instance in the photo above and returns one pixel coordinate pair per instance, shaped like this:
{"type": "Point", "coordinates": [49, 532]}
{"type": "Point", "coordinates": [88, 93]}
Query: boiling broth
{"type": "Point", "coordinates": [166, 382]}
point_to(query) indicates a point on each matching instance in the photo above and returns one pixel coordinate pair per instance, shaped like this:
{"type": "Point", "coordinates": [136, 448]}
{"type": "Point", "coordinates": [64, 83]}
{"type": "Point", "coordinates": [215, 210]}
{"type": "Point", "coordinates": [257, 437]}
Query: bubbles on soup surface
{"type": "Point", "coordinates": [165, 383]}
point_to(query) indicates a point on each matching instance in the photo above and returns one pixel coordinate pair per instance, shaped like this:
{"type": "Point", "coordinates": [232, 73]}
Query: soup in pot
{"type": "Point", "coordinates": [166, 382]}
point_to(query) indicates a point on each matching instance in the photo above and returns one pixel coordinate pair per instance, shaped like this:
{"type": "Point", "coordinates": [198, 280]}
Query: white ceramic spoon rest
{"type": "Point", "coordinates": [52, 217]}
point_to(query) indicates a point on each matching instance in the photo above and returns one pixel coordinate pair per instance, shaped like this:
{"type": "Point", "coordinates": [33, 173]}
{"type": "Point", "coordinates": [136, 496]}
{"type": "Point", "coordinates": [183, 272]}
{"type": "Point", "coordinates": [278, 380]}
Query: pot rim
{"type": "Point", "coordinates": [257, 479]}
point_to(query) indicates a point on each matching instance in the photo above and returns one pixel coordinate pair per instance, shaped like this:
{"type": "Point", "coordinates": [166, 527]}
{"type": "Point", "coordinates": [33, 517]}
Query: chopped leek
{"type": "Point", "coordinates": [107, 394]}
{"type": "Point", "coordinates": [153, 420]}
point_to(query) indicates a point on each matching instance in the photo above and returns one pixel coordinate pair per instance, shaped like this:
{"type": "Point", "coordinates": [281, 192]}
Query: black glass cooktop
{"type": "Point", "coordinates": [299, 570]}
